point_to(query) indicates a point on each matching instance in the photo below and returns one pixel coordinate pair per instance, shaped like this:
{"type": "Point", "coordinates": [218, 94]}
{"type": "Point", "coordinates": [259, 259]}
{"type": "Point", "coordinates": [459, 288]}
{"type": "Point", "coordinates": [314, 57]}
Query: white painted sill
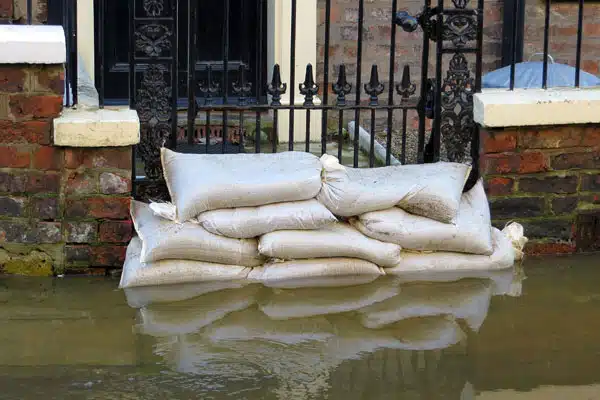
{"type": "Point", "coordinates": [495, 108]}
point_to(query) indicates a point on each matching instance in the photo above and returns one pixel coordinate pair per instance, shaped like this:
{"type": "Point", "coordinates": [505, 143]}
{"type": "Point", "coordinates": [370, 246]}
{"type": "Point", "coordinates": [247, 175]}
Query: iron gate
{"type": "Point", "coordinates": [223, 103]}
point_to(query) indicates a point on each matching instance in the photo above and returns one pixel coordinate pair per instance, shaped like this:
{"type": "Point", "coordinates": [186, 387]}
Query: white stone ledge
{"type": "Point", "coordinates": [32, 44]}
{"type": "Point", "coordinates": [97, 128]}
{"type": "Point", "coordinates": [530, 107]}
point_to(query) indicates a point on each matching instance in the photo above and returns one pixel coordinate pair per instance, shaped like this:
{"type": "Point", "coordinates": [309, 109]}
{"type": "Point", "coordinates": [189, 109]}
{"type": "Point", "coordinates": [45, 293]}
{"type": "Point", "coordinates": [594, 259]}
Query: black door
{"type": "Point", "coordinates": [243, 51]}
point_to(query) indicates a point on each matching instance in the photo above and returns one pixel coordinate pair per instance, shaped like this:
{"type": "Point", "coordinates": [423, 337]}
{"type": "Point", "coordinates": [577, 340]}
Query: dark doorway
{"type": "Point", "coordinates": [244, 35]}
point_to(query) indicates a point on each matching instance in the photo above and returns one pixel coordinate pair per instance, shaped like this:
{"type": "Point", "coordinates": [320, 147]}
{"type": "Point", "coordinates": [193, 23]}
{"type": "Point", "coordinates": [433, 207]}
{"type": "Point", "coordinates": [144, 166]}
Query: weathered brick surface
{"type": "Point", "coordinates": [544, 179]}
{"type": "Point", "coordinates": [74, 202]}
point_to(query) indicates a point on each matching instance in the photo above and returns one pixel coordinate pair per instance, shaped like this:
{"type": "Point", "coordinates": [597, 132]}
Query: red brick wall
{"type": "Point", "coordinates": [15, 11]}
{"type": "Point", "coordinates": [547, 178]}
{"type": "Point", "coordinates": [71, 205]}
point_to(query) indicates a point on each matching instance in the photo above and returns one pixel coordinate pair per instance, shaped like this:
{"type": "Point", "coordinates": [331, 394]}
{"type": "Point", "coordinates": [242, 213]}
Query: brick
{"type": "Point", "coordinates": [551, 137]}
{"type": "Point", "coordinates": [73, 158]}
{"type": "Point", "coordinates": [81, 232]}
{"type": "Point", "coordinates": [499, 186]}
{"type": "Point", "coordinates": [549, 228]}
{"type": "Point", "coordinates": [517, 207]}
{"type": "Point", "coordinates": [13, 157]}
{"type": "Point", "coordinates": [114, 184]}
{"type": "Point", "coordinates": [13, 183]}
{"type": "Point", "coordinates": [591, 137]}
{"type": "Point", "coordinates": [564, 205]}
{"type": "Point", "coordinates": [43, 183]}
{"type": "Point", "coordinates": [6, 9]}
{"type": "Point", "coordinates": [109, 157]}
{"type": "Point", "coordinates": [550, 184]}
{"type": "Point", "coordinates": [81, 183]}
{"type": "Point", "coordinates": [12, 206]}
{"type": "Point", "coordinates": [98, 207]}
{"type": "Point", "coordinates": [590, 183]}
{"type": "Point", "coordinates": [497, 141]}
{"type": "Point", "coordinates": [581, 160]}
{"type": "Point", "coordinates": [522, 163]}
{"type": "Point", "coordinates": [49, 232]}
{"type": "Point", "coordinates": [544, 248]}
{"type": "Point", "coordinates": [116, 231]}
{"type": "Point", "coordinates": [16, 232]}
{"type": "Point", "coordinates": [593, 199]}
{"type": "Point", "coordinates": [45, 208]}
{"type": "Point", "coordinates": [37, 132]}
{"type": "Point", "coordinates": [50, 79]}
{"type": "Point", "coordinates": [588, 231]}
{"type": "Point", "coordinates": [108, 256]}
{"type": "Point", "coordinates": [77, 254]}
{"type": "Point", "coordinates": [48, 158]}
{"type": "Point", "coordinates": [12, 78]}
{"type": "Point", "coordinates": [30, 106]}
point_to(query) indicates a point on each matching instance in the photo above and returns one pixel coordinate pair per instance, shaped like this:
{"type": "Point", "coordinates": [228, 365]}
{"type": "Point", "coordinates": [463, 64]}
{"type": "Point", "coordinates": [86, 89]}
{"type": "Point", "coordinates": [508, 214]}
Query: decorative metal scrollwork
{"type": "Point", "coordinates": [154, 8]}
{"type": "Point", "coordinates": [209, 88]}
{"type": "Point", "coordinates": [309, 88]}
{"type": "Point", "coordinates": [276, 88]}
{"type": "Point", "coordinates": [341, 88]}
{"type": "Point", "coordinates": [461, 4]}
{"type": "Point", "coordinates": [154, 96]}
{"type": "Point", "coordinates": [460, 29]}
{"type": "Point", "coordinates": [457, 109]}
{"type": "Point", "coordinates": [152, 140]}
{"type": "Point", "coordinates": [374, 87]}
{"type": "Point", "coordinates": [153, 39]}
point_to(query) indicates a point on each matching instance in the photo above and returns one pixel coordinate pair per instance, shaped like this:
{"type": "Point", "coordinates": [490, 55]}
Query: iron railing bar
{"type": "Point", "coordinates": [227, 9]}
{"type": "Point", "coordinates": [361, 16]}
{"type": "Point", "coordinates": [513, 45]}
{"type": "Point", "coordinates": [340, 133]}
{"type": "Point", "coordinates": [437, 122]}
{"type": "Point", "coordinates": [423, 94]}
{"type": "Point", "coordinates": [390, 120]}
{"type": "Point", "coordinates": [404, 126]}
{"type": "Point", "coordinates": [265, 107]}
{"type": "Point", "coordinates": [258, 133]}
{"type": "Point", "coordinates": [546, 45]}
{"type": "Point", "coordinates": [372, 144]}
{"type": "Point", "coordinates": [132, 66]}
{"type": "Point", "coordinates": [73, 63]}
{"type": "Point", "coordinates": [292, 73]}
{"type": "Point", "coordinates": [259, 85]}
{"type": "Point", "coordinates": [66, 22]}
{"type": "Point", "coordinates": [326, 75]}
{"type": "Point", "coordinates": [579, 42]}
{"type": "Point", "coordinates": [102, 49]}
{"type": "Point", "coordinates": [29, 12]}
{"type": "Point", "coordinates": [479, 53]}
{"type": "Point", "coordinates": [192, 45]}
{"type": "Point", "coordinates": [174, 74]}
{"type": "Point", "coordinates": [307, 139]}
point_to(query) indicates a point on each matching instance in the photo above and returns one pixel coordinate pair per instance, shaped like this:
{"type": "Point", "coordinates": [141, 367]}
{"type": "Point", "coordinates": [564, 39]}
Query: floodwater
{"type": "Point", "coordinates": [504, 337]}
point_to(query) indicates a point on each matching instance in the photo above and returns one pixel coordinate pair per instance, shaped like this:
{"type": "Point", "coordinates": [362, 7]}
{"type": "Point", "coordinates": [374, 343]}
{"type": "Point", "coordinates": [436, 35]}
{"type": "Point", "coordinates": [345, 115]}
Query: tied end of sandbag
{"type": "Point", "coordinates": [516, 234]}
{"type": "Point", "coordinates": [164, 210]}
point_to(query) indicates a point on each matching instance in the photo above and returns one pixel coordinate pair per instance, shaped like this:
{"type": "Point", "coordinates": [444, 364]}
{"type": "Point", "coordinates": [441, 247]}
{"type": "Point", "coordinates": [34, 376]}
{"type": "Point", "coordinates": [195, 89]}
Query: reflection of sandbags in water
{"type": "Point", "coordinates": [168, 240]}
{"type": "Point", "coordinates": [352, 339]}
{"type": "Point", "coordinates": [306, 302]}
{"type": "Point", "coordinates": [471, 234]}
{"type": "Point", "coordinates": [138, 297]}
{"type": "Point", "coordinates": [322, 272]}
{"type": "Point", "coordinates": [251, 324]}
{"type": "Point", "coordinates": [506, 281]}
{"type": "Point", "coordinates": [192, 315]}
{"type": "Point", "coordinates": [467, 299]}
{"type": "Point", "coordinates": [502, 258]}
{"type": "Point", "coordinates": [333, 240]}
{"type": "Point", "coordinates": [136, 273]}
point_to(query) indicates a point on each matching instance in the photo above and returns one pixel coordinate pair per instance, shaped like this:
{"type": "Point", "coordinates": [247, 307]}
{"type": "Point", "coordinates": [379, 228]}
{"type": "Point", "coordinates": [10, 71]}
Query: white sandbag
{"type": "Point", "coordinates": [322, 272]}
{"type": "Point", "coordinates": [204, 182]}
{"type": "Point", "coordinates": [250, 222]}
{"type": "Point", "coordinates": [334, 240]}
{"type": "Point", "coordinates": [142, 296]}
{"type": "Point", "coordinates": [468, 300]}
{"type": "Point", "coordinates": [503, 257]}
{"type": "Point", "coordinates": [185, 317]}
{"type": "Point", "coordinates": [472, 232]}
{"type": "Point", "coordinates": [431, 190]}
{"type": "Point", "coordinates": [168, 272]}
{"type": "Point", "coordinates": [168, 240]}
{"type": "Point", "coordinates": [309, 302]}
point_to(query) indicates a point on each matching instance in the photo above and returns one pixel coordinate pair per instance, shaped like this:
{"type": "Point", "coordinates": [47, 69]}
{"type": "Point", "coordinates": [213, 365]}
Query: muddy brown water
{"type": "Point", "coordinates": [491, 339]}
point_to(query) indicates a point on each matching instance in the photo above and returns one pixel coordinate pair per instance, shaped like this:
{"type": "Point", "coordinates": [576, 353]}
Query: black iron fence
{"type": "Point", "coordinates": [203, 89]}
{"type": "Point", "coordinates": [515, 20]}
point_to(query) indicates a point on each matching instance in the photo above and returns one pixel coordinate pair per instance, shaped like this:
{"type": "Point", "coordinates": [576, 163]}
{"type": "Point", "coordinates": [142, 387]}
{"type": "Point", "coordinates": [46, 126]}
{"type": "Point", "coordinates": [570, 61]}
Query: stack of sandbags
{"type": "Point", "coordinates": [423, 209]}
